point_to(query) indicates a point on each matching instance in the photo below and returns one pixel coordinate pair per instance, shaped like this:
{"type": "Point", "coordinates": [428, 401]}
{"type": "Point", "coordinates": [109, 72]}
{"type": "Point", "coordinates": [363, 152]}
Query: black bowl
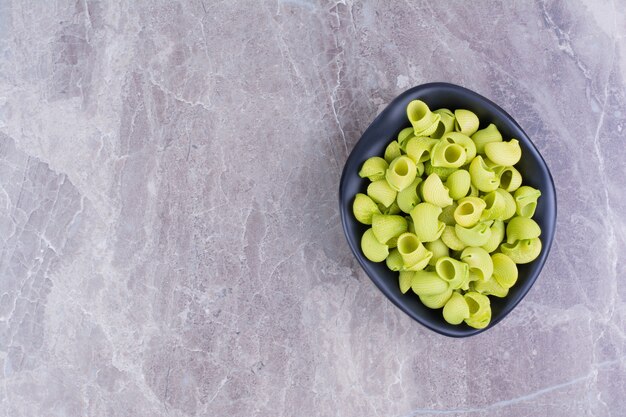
{"type": "Point", "coordinates": [373, 143]}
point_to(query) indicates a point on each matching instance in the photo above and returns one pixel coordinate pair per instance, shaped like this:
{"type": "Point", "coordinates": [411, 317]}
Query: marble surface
{"type": "Point", "coordinates": [169, 229]}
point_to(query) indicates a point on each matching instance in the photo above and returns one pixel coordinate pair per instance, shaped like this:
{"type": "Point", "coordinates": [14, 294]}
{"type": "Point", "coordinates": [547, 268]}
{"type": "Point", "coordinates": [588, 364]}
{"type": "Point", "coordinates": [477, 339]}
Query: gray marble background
{"type": "Point", "coordinates": [169, 230]}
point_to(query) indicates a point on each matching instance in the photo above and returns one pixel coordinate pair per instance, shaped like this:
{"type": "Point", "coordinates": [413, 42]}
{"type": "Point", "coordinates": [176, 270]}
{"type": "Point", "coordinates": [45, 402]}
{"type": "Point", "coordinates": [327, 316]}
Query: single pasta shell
{"type": "Point", "coordinates": [448, 155]}
{"type": "Point", "coordinates": [479, 308]}
{"type": "Point", "coordinates": [497, 235]}
{"type": "Point", "coordinates": [419, 148]}
{"type": "Point", "coordinates": [374, 168]}
{"type": "Point", "coordinates": [486, 135]}
{"type": "Point", "coordinates": [504, 153]}
{"type": "Point", "coordinates": [364, 208]}
{"type": "Point", "coordinates": [451, 240]}
{"type": "Point", "coordinates": [408, 198]}
{"type": "Point", "coordinates": [490, 287]}
{"type": "Point", "coordinates": [382, 193]}
{"type": "Point", "coordinates": [469, 211]}
{"type": "Point", "coordinates": [478, 260]}
{"type": "Point", "coordinates": [483, 177]}
{"type": "Point", "coordinates": [522, 228]}
{"type": "Point", "coordinates": [401, 173]}
{"type": "Point", "coordinates": [464, 141]}
{"type": "Point", "coordinates": [405, 280]}
{"type": "Point", "coordinates": [426, 222]}
{"type": "Point", "coordinates": [509, 204]}
{"type": "Point", "coordinates": [428, 283]}
{"type": "Point", "coordinates": [504, 270]}
{"type": "Point", "coordinates": [526, 200]}
{"type": "Point", "coordinates": [495, 208]}
{"type": "Point", "coordinates": [436, 301]}
{"type": "Point", "coordinates": [522, 251]}
{"type": "Point", "coordinates": [435, 192]}
{"type": "Point", "coordinates": [456, 309]}
{"type": "Point", "coordinates": [466, 122]}
{"type": "Point", "coordinates": [510, 178]}
{"type": "Point", "coordinates": [475, 236]}
{"type": "Point", "coordinates": [394, 260]}
{"type": "Point", "coordinates": [372, 248]}
{"type": "Point", "coordinates": [392, 151]}
{"type": "Point", "coordinates": [458, 184]}
{"type": "Point", "coordinates": [386, 226]}
{"type": "Point", "coordinates": [438, 249]}
{"type": "Point", "coordinates": [412, 251]}
{"type": "Point", "coordinates": [454, 272]}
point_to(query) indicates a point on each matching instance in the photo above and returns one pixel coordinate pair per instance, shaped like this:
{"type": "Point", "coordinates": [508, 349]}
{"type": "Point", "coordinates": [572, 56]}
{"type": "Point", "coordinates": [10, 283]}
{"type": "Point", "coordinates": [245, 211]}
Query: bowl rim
{"type": "Point", "coordinates": [547, 243]}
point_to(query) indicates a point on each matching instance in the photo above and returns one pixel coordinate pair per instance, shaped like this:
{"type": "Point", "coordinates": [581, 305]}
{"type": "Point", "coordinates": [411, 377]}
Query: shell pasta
{"type": "Point", "coordinates": [446, 209]}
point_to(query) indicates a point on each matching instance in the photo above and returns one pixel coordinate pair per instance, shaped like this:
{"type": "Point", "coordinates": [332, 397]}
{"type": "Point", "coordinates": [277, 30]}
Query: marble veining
{"type": "Point", "coordinates": [169, 230]}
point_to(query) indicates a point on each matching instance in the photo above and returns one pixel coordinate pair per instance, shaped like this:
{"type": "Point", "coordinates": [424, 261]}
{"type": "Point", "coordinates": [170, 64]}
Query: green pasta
{"type": "Point", "coordinates": [419, 149]}
{"type": "Point", "coordinates": [381, 192]}
{"type": "Point", "coordinates": [443, 173]}
{"type": "Point", "coordinates": [438, 249]}
{"type": "Point", "coordinates": [446, 123]}
{"type": "Point", "coordinates": [374, 169]}
{"type": "Point", "coordinates": [485, 136]}
{"type": "Point", "coordinates": [495, 208]}
{"type": "Point", "coordinates": [451, 240]}
{"type": "Point", "coordinates": [504, 270]}
{"type": "Point", "coordinates": [424, 121]}
{"type": "Point", "coordinates": [496, 237]}
{"type": "Point", "coordinates": [504, 153]}
{"type": "Point", "coordinates": [469, 211]}
{"type": "Point", "coordinates": [447, 155]}
{"type": "Point", "coordinates": [465, 122]}
{"type": "Point", "coordinates": [456, 309]}
{"type": "Point", "coordinates": [489, 287]}
{"type": "Point", "coordinates": [394, 260]}
{"type": "Point", "coordinates": [509, 204]}
{"type": "Point", "coordinates": [462, 140]}
{"type": "Point", "coordinates": [459, 183]}
{"type": "Point", "coordinates": [435, 192]}
{"type": "Point", "coordinates": [455, 273]}
{"type": "Point", "coordinates": [479, 310]}
{"type": "Point", "coordinates": [372, 248]}
{"type": "Point", "coordinates": [475, 236]}
{"type": "Point", "coordinates": [426, 222]}
{"type": "Point", "coordinates": [448, 213]}
{"type": "Point", "coordinates": [437, 300]}
{"type": "Point", "coordinates": [392, 209]}
{"type": "Point", "coordinates": [526, 201]}
{"type": "Point", "coordinates": [483, 177]}
{"type": "Point", "coordinates": [480, 263]}
{"type": "Point", "coordinates": [364, 208]}
{"type": "Point", "coordinates": [401, 173]}
{"type": "Point", "coordinates": [428, 283]}
{"type": "Point", "coordinates": [405, 280]}
{"type": "Point", "coordinates": [404, 136]}
{"type": "Point", "coordinates": [522, 228]}
{"type": "Point", "coordinates": [415, 256]}
{"type": "Point", "coordinates": [408, 198]}
{"type": "Point", "coordinates": [386, 227]}
{"type": "Point", "coordinates": [392, 151]}
{"type": "Point", "coordinates": [522, 251]}
{"type": "Point", "coordinates": [510, 178]}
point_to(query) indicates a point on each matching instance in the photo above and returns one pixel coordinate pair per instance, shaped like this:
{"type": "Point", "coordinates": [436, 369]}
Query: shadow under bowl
{"type": "Point", "coordinates": [533, 168]}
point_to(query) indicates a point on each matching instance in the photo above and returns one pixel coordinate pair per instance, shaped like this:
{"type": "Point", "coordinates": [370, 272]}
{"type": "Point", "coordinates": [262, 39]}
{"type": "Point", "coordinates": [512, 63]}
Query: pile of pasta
{"type": "Point", "coordinates": [448, 211]}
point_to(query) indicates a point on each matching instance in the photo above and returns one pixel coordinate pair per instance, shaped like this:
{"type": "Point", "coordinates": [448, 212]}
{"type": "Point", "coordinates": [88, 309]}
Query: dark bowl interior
{"type": "Point", "coordinates": [373, 143]}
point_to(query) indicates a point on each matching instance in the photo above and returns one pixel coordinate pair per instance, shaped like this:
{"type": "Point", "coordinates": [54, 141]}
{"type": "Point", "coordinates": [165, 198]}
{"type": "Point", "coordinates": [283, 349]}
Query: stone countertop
{"type": "Point", "coordinates": [171, 244]}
